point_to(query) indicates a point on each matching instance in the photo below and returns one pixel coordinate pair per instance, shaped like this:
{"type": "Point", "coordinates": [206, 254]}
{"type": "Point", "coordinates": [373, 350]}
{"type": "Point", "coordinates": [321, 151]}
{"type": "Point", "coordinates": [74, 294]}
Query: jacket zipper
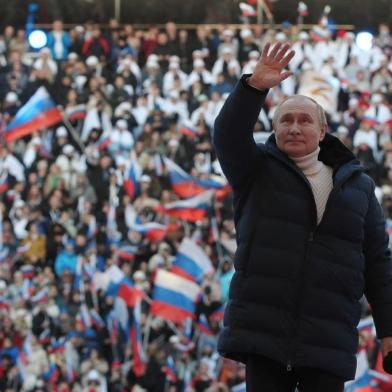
{"type": "Point", "coordinates": [311, 236]}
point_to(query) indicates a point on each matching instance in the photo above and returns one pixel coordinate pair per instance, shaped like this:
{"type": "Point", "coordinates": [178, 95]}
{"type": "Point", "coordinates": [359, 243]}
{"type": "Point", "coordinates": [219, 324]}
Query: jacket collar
{"type": "Point", "coordinates": [333, 153]}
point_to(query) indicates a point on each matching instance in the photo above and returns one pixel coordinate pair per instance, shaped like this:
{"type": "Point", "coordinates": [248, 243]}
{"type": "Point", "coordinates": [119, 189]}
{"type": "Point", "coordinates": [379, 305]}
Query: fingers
{"type": "Point", "coordinates": [274, 50]}
{"type": "Point", "coordinates": [285, 75]}
{"type": "Point", "coordinates": [279, 54]}
{"type": "Point", "coordinates": [282, 52]}
{"type": "Point", "coordinates": [266, 49]}
{"type": "Point", "coordinates": [287, 58]}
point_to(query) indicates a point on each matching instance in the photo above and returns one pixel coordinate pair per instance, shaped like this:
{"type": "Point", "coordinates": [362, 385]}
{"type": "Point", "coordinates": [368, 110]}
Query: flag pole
{"type": "Point", "coordinates": [73, 132]}
{"type": "Point", "coordinates": [260, 15]}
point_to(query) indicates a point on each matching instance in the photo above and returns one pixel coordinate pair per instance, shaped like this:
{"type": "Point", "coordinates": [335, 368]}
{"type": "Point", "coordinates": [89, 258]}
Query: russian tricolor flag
{"type": "Point", "coordinates": [132, 178]}
{"type": "Point", "coordinates": [116, 284]}
{"type": "Point", "coordinates": [75, 113]}
{"type": "Point", "coordinates": [204, 325]}
{"type": "Point", "coordinates": [174, 297]}
{"type": "Point", "coordinates": [192, 210]}
{"type": "Point", "coordinates": [154, 231]}
{"type": "Point", "coordinates": [4, 182]}
{"type": "Point", "coordinates": [103, 142]}
{"type": "Point", "coordinates": [218, 314]}
{"type": "Point", "coordinates": [170, 369]}
{"type": "Point", "coordinates": [38, 113]}
{"type": "Point", "coordinates": [126, 252]}
{"type": "Point", "coordinates": [191, 261]}
{"type": "Point", "coordinates": [139, 358]}
{"type": "Point", "coordinates": [185, 185]}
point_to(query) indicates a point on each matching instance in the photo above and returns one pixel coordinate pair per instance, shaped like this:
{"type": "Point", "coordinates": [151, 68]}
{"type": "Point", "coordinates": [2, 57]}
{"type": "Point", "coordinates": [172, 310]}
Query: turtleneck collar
{"type": "Point", "coordinates": [309, 164]}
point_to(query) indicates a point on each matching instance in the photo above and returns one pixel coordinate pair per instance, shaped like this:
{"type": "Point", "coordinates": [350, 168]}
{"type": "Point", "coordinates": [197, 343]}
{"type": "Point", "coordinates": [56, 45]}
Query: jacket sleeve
{"type": "Point", "coordinates": [378, 273]}
{"type": "Point", "coordinates": [233, 132]}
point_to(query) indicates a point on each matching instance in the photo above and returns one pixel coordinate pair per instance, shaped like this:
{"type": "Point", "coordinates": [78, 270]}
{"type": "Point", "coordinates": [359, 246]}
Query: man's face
{"type": "Point", "coordinates": [298, 130]}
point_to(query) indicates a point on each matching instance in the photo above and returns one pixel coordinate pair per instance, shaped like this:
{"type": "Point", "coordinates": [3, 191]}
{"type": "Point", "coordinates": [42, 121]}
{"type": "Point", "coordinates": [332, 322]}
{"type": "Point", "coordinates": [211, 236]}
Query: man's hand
{"type": "Point", "coordinates": [386, 345]}
{"type": "Point", "coordinates": [269, 69]}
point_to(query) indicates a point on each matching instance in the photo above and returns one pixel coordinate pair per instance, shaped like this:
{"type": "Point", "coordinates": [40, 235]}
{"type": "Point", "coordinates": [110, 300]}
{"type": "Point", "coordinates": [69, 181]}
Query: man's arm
{"type": "Point", "coordinates": [378, 274]}
{"type": "Point", "coordinates": [233, 130]}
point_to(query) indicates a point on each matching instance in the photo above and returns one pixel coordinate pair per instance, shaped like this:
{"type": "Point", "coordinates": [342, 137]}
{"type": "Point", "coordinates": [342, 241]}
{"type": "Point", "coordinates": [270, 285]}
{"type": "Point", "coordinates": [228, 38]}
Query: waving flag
{"type": "Point", "coordinates": [204, 325]}
{"type": "Point", "coordinates": [139, 358]}
{"type": "Point", "coordinates": [38, 113]}
{"type": "Point", "coordinates": [126, 252]}
{"type": "Point", "coordinates": [174, 297]}
{"type": "Point", "coordinates": [247, 10]}
{"type": "Point", "coordinates": [188, 129]}
{"type": "Point", "coordinates": [191, 261]}
{"type": "Point", "coordinates": [132, 178]}
{"type": "Point", "coordinates": [218, 314]}
{"type": "Point", "coordinates": [154, 231]}
{"type": "Point", "coordinates": [185, 186]}
{"type": "Point", "coordinates": [192, 210]}
{"type": "Point", "coordinates": [368, 382]}
{"type": "Point", "coordinates": [75, 113]}
{"type": "Point", "coordinates": [170, 369]}
{"type": "Point", "coordinates": [4, 182]}
{"type": "Point", "coordinates": [116, 284]}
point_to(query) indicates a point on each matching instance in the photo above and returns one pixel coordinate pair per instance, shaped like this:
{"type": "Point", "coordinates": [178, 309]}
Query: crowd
{"type": "Point", "coordinates": [65, 210]}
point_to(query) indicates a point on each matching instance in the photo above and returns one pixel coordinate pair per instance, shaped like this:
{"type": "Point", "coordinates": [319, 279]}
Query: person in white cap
{"type": "Point", "coordinates": [46, 64]}
{"type": "Point", "coordinates": [247, 45]}
{"type": "Point", "coordinates": [200, 73]}
{"type": "Point", "coordinates": [302, 48]}
{"type": "Point", "coordinates": [228, 41]}
{"type": "Point", "coordinates": [222, 63]}
{"type": "Point", "coordinates": [173, 75]}
{"type": "Point", "coordinates": [174, 105]}
{"type": "Point", "coordinates": [121, 140]}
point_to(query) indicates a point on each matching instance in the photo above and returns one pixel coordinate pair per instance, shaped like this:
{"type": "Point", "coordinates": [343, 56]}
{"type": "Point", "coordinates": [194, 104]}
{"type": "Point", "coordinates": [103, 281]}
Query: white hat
{"type": "Point", "coordinates": [174, 65]}
{"type": "Point", "coordinates": [3, 285]}
{"type": "Point", "coordinates": [228, 32]}
{"type": "Point", "coordinates": [139, 275]}
{"type": "Point", "coordinates": [246, 33]}
{"type": "Point", "coordinates": [120, 160]}
{"type": "Point", "coordinates": [173, 143]}
{"type": "Point", "coordinates": [122, 124]}
{"type": "Point", "coordinates": [72, 56]}
{"type": "Point", "coordinates": [253, 54]}
{"type": "Point", "coordinates": [68, 149]}
{"type": "Point", "coordinates": [11, 97]}
{"type": "Point", "coordinates": [152, 57]}
{"type": "Point", "coordinates": [174, 59]}
{"type": "Point", "coordinates": [61, 131]}
{"type": "Point", "coordinates": [227, 50]}
{"type": "Point", "coordinates": [281, 37]}
{"type": "Point", "coordinates": [342, 130]}
{"type": "Point", "coordinates": [93, 375]}
{"type": "Point", "coordinates": [145, 178]}
{"type": "Point", "coordinates": [197, 53]}
{"type": "Point", "coordinates": [19, 203]}
{"type": "Point", "coordinates": [303, 35]}
{"type": "Point", "coordinates": [152, 64]}
{"type": "Point", "coordinates": [92, 61]}
{"type": "Point", "coordinates": [198, 63]}
{"type": "Point", "coordinates": [174, 94]}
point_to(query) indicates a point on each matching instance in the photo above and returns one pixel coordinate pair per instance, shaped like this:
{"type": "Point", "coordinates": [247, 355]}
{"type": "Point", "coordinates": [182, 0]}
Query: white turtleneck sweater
{"type": "Point", "coordinates": [319, 176]}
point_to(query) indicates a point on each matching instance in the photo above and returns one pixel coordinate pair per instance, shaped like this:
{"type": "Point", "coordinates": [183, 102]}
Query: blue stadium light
{"type": "Point", "coordinates": [37, 39]}
{"type": "Point", "coordinates": [364, 40]}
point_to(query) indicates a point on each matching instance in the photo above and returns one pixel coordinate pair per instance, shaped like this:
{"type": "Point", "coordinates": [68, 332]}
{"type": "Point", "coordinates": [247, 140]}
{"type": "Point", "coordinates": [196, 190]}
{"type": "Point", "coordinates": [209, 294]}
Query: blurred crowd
{"type": "Point", "coordinates": [63, 206]}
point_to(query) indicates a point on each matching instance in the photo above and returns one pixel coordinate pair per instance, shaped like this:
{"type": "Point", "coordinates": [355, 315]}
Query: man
{"type": "Point", "coordinates": [311, 239]}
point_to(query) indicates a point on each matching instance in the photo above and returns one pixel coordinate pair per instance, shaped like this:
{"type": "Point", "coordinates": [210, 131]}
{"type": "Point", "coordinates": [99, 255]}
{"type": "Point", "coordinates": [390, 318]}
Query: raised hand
{"type": "Point", "coordinates": [269, 69]}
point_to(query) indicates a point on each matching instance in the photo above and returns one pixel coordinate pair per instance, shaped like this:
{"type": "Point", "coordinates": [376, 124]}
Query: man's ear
{"type": "Point", "coordinates": [323, 132]}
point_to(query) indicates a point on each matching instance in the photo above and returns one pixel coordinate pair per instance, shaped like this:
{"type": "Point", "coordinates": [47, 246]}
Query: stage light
{"type": "Point", "coordinates": [37, 39]}
{"type": "Point", "coordinates": [364, 40]}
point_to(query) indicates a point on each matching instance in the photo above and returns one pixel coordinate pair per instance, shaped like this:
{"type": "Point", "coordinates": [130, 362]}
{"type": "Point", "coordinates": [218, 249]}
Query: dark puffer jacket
{"type": "Point", "coordinates": [295, 294]}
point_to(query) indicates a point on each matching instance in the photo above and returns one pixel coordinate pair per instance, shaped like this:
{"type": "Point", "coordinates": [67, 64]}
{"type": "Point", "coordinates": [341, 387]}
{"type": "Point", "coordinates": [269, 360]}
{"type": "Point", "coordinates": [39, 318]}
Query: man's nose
{"type": "Point", "coordinates": [294, 128]}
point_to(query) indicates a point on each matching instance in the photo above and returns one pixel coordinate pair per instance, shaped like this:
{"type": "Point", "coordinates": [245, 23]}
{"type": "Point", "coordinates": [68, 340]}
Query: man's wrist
{"type": "Point", "coordinates": [245, 81]}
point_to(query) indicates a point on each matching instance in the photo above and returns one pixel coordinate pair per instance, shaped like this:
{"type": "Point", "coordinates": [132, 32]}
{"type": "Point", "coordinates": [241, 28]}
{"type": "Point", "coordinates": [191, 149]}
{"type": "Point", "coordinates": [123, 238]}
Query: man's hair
{"type": "Point", "coordinates": [320, 111]}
